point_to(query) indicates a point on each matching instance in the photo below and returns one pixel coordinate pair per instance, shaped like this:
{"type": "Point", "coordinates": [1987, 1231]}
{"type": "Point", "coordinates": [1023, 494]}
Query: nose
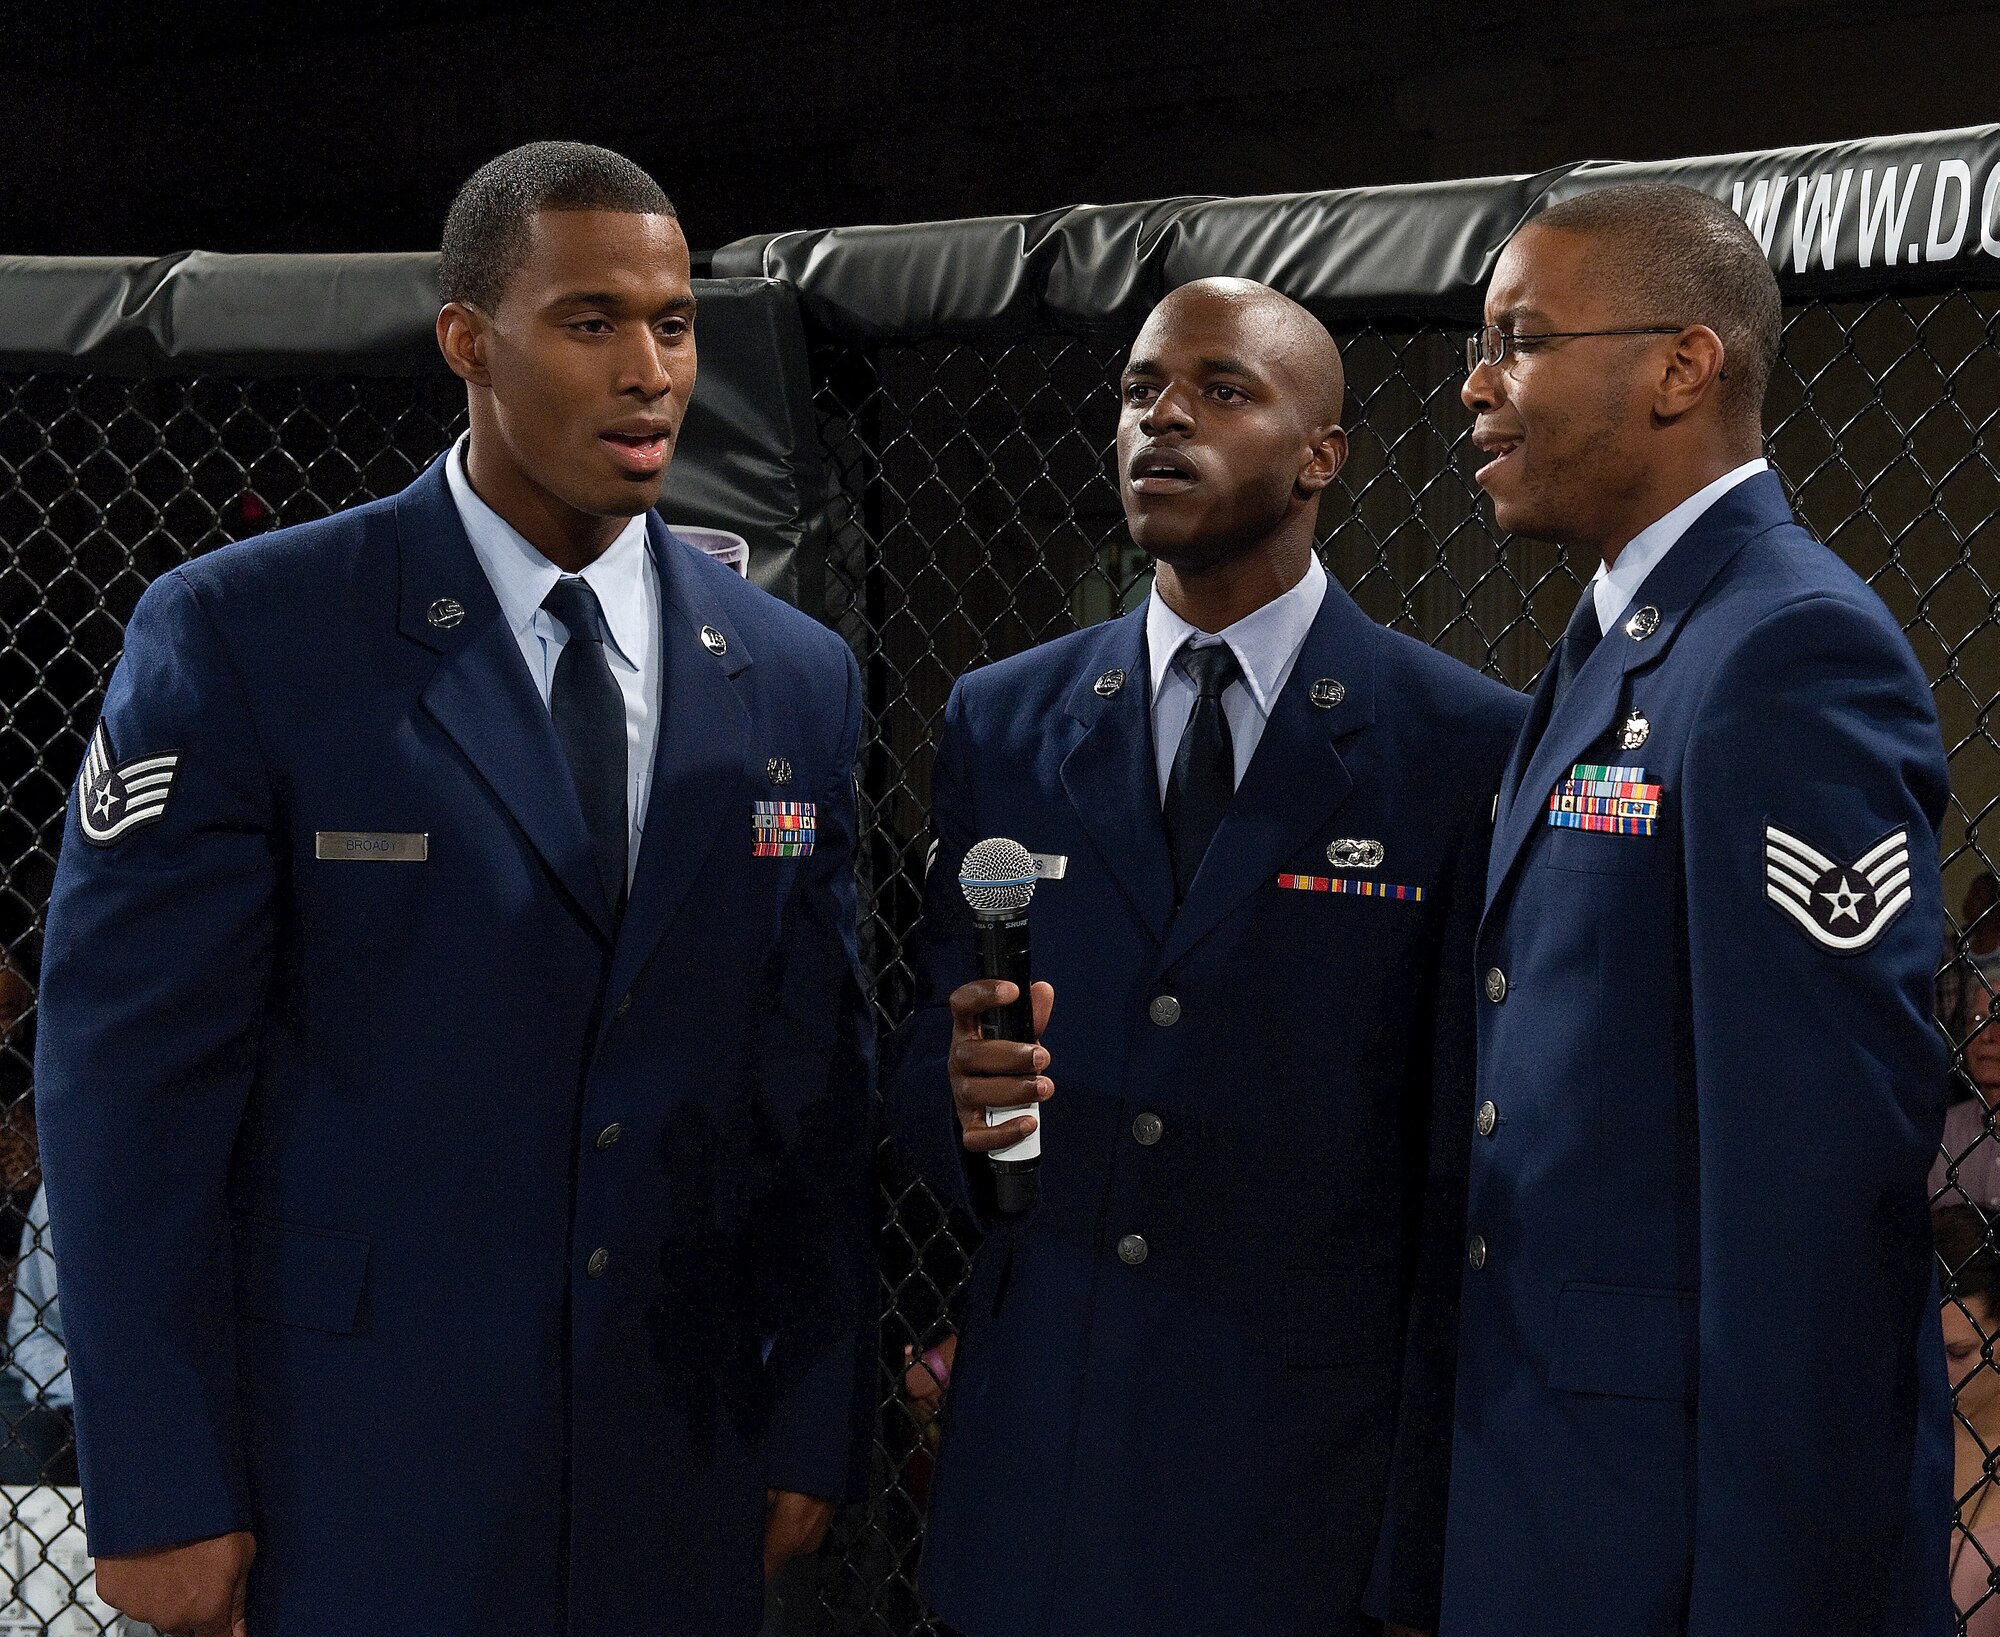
{"type": "Point", "coordinates": [1171, 410]}
{"type": "Point", "coordinates": [648, 370]}
{"type": "Point", "coordinates": [1484, 389]}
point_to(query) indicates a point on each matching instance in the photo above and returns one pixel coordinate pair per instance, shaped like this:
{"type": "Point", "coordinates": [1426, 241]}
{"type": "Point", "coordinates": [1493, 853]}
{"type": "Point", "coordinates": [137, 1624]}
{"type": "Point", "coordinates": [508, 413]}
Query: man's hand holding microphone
{"type": "Point", "coordinates": [997, 1059]}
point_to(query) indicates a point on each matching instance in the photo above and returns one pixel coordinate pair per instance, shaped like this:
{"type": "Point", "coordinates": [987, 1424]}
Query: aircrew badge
{"type": "Point", "coordinates": [1841, 907]}
{"type": "Point", "coordinates": [1347, 854]}
{"type": "Point", "coordinates": [782, 829]}
{"type": "Point", "coordinates": [112, 800]}
{"type": "Point", "coordinates": [1614, 800]}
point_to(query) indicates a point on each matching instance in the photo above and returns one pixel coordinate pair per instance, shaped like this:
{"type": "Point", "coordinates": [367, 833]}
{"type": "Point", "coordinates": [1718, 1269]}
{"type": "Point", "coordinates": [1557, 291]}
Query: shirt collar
{"type": "Point", "coordinates": [1616, 586]}
{"type": "Point", "coordinates": [522, 576]}
{"type": "Point", "coordinates": [1266, 642]}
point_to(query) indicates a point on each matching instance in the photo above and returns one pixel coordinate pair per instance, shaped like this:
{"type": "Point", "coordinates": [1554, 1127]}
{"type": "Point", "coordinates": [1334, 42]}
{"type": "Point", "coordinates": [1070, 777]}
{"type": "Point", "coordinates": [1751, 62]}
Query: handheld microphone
{"type": "Point", "coordinates": [998, 878]}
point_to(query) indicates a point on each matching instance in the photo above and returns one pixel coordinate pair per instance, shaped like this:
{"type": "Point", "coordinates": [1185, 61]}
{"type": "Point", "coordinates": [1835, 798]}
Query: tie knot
{"type": "Point", "coordinates": [1211, 669]}
{"type": "Point", "coordinates": [573, 602]}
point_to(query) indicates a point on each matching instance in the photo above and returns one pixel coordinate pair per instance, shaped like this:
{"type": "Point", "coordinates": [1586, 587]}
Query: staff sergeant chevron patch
{"type": "Point", "coordinates": [1842, 907]}
{"type": "Point", "coordinates": [112, 801]}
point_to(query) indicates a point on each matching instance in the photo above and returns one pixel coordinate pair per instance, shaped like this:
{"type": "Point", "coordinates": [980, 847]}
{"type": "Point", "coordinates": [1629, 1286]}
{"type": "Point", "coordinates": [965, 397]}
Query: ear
{"type": "Point", "coordinates": [1692, 375]}
{"type": "Point", "coordinates": [461, 334]}
{"type": "Point", "coordinates": [1328, 455]}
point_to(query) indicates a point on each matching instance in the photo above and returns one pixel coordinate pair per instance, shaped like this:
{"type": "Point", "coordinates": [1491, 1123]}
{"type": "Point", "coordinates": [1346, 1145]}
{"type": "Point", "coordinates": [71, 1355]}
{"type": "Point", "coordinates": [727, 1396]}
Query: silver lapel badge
{"type": "Point", "coordinates": [445, 613]}
{"type": "Point", "coordinates": [1326, 693]}
{"type": "Point", "coordinates": [714, 641]}
{"type": "Point", "coordinates": [1108, 684]}
{"type": "Point", "coordinates": [1349, 854]}
{"type": "Point", "coordinates": [1643, 624]}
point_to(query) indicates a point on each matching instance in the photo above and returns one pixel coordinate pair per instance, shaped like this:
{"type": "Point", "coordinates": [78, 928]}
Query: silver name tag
{"type": "Point", "coordinates": [1050, 866]}
{"type": "Point", "coordinates": [372, 846]}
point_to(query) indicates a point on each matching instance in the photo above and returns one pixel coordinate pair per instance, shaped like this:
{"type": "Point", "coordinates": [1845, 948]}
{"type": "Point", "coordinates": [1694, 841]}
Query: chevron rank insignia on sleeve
{"type": "Point", "coordinates": [1841, 907]}
{"type": "Point", "coordinates": [114, 800]}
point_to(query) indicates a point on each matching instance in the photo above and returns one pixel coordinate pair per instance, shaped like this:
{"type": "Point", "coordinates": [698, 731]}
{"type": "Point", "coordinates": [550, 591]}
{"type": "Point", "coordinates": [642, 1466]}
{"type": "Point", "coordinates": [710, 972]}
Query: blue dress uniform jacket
{"type": "Point", "coordinates": [1204, 1387]}
{"type": "Point", "coordinates": [1701, 1384]}
{"type": "Point", "coordinates": [486, 1262]}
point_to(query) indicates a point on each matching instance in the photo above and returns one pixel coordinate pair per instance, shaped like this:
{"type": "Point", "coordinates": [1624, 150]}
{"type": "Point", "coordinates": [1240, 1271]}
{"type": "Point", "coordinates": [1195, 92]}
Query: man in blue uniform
{"type": "Point", "coordinates": [1701, 1388]}
{"type": "Point", "coordinates": [453, 1062]}
{"type": "Point", "coordinates": [1204, 1387]}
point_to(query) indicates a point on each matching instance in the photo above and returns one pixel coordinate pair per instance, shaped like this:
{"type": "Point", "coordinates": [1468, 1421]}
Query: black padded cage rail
{"type": "Point", "coordinates": [952, 504]}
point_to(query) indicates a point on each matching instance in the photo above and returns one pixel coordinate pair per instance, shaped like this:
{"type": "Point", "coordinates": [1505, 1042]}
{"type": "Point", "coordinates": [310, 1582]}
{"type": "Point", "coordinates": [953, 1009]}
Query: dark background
{"type": "Point", "coordinates": [142, 129]}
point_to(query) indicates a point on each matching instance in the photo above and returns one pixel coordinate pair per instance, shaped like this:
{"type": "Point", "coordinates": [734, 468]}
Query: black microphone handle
{"type": "Point", "coordinates": [1000, 950]}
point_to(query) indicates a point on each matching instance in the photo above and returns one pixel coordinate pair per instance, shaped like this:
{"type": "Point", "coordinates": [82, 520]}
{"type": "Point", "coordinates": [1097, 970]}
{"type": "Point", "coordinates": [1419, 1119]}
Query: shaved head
{"type": "Point", "coordinates": [1293, 345]}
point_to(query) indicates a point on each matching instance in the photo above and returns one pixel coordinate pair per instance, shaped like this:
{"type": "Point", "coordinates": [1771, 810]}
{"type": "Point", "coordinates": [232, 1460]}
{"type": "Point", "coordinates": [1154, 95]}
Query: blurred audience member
{"type": "Point", "coordinates": [38, 1446]}
{"type": "Point", "coordinates": [1971, 1319]}
{"type": "Point", "coordinates": [1972, 1148]}
{"type": "Point", "coordinates": [1978, 966]}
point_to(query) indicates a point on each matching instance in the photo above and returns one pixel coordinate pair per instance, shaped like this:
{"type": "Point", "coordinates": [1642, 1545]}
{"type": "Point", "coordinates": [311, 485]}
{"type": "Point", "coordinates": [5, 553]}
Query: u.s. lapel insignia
{"type": "Point", "coordinates": [1325, 693]}
{"type": "Point", "coordinates": [1643, 624]}
{"type": "Point", "coordinates": [1349, 854]}
{"type": "Point", "coordinates": [714, 641]}
{"type": "Point", "coordinates": [445, 613]}
{"type": "Point", "coordinates": [1841, 907]}
{"type": "Point", "coordinates": [1108, 684]}
{"type": "Point", "coordinates": [1633, 732]}
{"type": "Point", "coordinates": [112, 800]}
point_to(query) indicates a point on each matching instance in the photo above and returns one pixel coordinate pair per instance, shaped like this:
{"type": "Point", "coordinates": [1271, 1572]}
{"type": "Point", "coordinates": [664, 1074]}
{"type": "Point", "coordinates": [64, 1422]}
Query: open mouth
{"type": "Point", "coordinates": [641, 452]}
{"type": "Point", "coordinates": [1501, 449]}
{"type": "Point", "coordinates": [1158, 472]}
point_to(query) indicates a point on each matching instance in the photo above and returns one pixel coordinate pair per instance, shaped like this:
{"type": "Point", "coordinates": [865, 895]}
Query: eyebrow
{"type": "Point", "coordinates": [1209, 366]}
{"type": "Point", "coordinates": [604, 298]}
{"type": "Point", "coordinates": [1515, 314]}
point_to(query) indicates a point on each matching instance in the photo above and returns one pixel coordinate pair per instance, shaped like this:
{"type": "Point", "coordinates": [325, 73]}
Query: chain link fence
{"type": "Point", "coordinates": [973, 516]}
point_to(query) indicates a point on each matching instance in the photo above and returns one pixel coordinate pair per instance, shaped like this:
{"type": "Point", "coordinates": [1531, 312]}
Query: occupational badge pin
{"type": "Point", "coordinates": [1841, 907]}
{"type": "Point", "coordinates": [1348, 854]}
{"type": "Point", "coordinates": [114, 799]}
{"type": "Point", "coordinates": [1643, 624]}
{"type": "Point", "coordinates": [1108, 684]}
{"type": "Point", "coordinates": [1326, 693]}
{"type": "Point", "coordinates": [779, 770]}
{"type": "Point", "coordinates": [714, 641]}
{"type": "Point", "coordinates": [445, 613]}
{"type": "Point", "coordinates": [1632, 731]}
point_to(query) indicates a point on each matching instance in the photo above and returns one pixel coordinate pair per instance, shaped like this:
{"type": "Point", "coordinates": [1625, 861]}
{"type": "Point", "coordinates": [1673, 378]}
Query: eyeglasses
{"type": "Point", "coordinates": [1490, 344]}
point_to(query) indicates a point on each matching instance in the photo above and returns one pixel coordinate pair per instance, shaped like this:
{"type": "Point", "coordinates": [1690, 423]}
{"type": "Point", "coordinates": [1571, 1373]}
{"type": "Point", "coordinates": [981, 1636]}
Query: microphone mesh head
{"type": "Point", "coordinates": [997, 874]}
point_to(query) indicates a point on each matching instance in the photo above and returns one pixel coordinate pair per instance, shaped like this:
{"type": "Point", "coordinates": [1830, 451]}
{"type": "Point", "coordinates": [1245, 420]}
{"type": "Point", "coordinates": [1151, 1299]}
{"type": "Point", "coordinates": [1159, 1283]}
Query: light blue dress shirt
{"type": "Point", "coordinates": [1266, 644]}
{"type": "Point", "coordinates": [35, 1351]}
{"type": "Point", "coordinates": [628, 588]}
{"type": "Point", "coordinates": [1616, 586]}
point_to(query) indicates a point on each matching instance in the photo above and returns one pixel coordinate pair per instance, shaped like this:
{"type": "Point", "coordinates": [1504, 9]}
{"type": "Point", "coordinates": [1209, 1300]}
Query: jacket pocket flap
{"type": "Point", "coordinates": [1341, 1316]}
{"type": "Point", "coordinates": [310, 1277]}
{"type": "Point", "coordinates": [1625, 1342]}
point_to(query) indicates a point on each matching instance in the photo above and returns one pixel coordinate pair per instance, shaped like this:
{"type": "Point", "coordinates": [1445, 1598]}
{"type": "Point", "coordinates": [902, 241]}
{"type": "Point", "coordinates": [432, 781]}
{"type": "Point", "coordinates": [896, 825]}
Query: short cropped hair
{"type": "Point", "coordinates": [486, 231]}
{"type": "Point", "coordinates": [1687, 258]}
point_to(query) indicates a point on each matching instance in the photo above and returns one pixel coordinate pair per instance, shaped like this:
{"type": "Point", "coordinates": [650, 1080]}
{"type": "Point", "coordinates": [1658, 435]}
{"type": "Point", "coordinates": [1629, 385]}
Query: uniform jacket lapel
{"type": "Point", "coordinates": [1109, 774]}
{"type": "Point", "coordinates": [481, 693]}
{"type": "Point", "coordinates": [698, 765]}
{"type": "Point", "coordinates": [1545, 753]}
{"type": "Point", "coordinates": [1296, 781]}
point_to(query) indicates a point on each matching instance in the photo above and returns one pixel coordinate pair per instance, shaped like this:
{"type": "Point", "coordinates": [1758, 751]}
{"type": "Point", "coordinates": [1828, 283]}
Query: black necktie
{"type": "Point", "coordinates": [589, 714]}
{"type": "Point", "coordinates": [1204, 775]}
{"type": "Point", "coordinates": [1583, 635]}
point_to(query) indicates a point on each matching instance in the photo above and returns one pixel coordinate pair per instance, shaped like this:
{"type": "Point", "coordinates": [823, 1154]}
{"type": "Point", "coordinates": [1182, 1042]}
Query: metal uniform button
{"type": "Point", "coordinates": [1496, 985]}
{"type": "Point", "coordinates": [1164, 1010]}
{"type": "Point", "coordinates": [1132, 1250]}
{"type": "Point", "coordinates": [1489, 1118]}
{"type": "Point", "coordinates": [609, 1135]}
{"type": "Point", "coordinates": [1147, 1129]}
{"type": "Point", "coordinates": [600, 1259]}
{"type": "Point", "coordinates": [1475, 1253]}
